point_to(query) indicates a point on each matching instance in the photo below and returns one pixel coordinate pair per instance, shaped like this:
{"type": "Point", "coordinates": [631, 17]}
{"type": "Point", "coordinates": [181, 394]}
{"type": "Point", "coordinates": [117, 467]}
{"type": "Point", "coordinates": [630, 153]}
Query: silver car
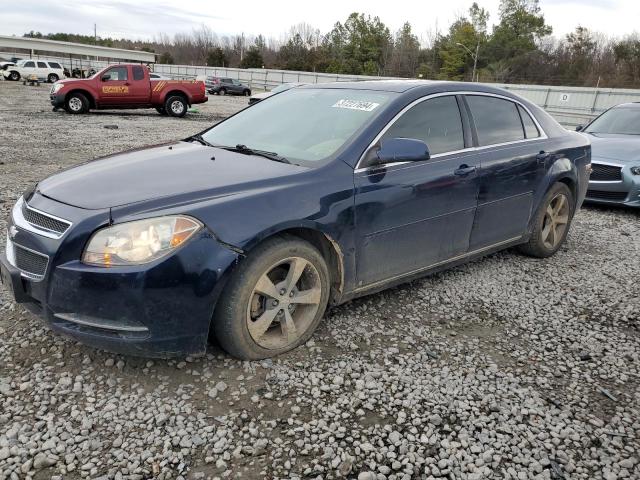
{"type": "Point", "coordinates": [615, 143]}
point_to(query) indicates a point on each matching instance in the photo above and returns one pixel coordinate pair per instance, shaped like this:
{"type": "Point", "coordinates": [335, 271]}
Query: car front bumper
{"type": "Point", "coordinates": [57, 100]}
{"type": "Point", "coordinates": [160, 309]}
{"type": "Point", "coordinates": [625, 191]}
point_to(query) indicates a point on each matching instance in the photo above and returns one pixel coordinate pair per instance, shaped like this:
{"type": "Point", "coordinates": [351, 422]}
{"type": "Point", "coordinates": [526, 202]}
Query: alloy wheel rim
{"type": "Point", "coordinates": [284, 303]}
{"type": "Point", "coordinates": [177, 107]}
{"type": "Point", "coordinates": [555, 221]}
{"type": "Point", "coordinates": [75, 104]}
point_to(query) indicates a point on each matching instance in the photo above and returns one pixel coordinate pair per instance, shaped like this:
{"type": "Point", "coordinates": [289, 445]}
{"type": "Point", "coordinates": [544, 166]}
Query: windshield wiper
{"type": "Point", "coordinates": [260, 153]}
{"type": "Point", "coordinates": [198, 138]}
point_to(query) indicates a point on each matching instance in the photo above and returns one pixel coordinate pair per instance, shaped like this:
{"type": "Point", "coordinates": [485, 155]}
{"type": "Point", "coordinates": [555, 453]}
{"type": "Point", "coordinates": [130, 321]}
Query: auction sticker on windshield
{"type": "Point", "coordinates": [356, 105]}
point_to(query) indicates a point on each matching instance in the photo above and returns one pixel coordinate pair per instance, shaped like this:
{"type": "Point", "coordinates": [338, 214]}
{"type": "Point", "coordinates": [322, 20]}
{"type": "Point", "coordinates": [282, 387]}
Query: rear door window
{"type": "Point", "coordinates": [497, 120]}
{"type": "Point", "coordinates": [42, 65]}
{"type": "Point", "coordinates": [436, 122]}
{"type": "Point", "coordinates": [138, 73]}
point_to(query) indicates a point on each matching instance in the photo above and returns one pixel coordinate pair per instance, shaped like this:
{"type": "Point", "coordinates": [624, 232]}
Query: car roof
{"type": "Point", "coordinates": [628, 105]}
{"type": "Point", "coordinates": [402, 86]}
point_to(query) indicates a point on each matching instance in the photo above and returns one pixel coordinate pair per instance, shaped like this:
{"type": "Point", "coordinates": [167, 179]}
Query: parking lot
{"type": "Point", "coordinates": [508, 367]}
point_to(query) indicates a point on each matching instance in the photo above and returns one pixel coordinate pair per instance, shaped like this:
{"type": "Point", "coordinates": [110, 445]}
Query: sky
{"type": "Point", "coordinates": [143, 19]}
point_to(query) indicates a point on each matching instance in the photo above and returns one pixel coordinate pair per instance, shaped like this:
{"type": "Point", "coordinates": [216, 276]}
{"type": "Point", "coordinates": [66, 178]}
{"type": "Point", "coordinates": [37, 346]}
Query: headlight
{"type": "Point", "coordinates": [142, 241]}
{"type": "Point", "coordinates": [56, 87]}
{"type": "Point", "coordinates": [635, 170]}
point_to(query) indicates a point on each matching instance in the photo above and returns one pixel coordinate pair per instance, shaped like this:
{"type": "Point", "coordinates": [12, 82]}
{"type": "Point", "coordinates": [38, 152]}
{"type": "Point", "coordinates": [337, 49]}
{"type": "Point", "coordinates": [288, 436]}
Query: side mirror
{"type": "Point", "coordinates": [106, 78]}
{"type": "Point", "coordinates": [402, 150]}
{"type": "Point", "coordinates": [579, 128]}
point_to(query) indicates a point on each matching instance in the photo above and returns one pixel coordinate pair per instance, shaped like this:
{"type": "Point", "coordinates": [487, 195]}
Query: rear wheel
{"type": "Point", "coordinates": [551, 223]}
{"type": "Point", "coordinates": [176, 106]}
{"type": "Point", "coordinates": [274, 301]}
{"type": "Point", "coordinates": [76, 103]}
{"type": "Point", "coordinates": [52, 78]}
{"type": "Point", "coordinates": [15, 76]}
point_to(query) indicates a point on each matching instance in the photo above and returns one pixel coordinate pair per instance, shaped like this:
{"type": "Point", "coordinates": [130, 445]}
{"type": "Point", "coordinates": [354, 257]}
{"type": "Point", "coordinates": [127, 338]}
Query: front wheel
{"type": "Point", "coordinates": [551, 223]}
{"type": "Point", "coordinates": [76, 103]}
{"type": "Point", "coordinates": [274, 301]}
{"type": "Point", "coordinates": [222, 92]}
{"type": "Point", "coordinates": [15, 76]}
{"type": "Point", "coordinates": [247, 93]}
{"type": "Point", "coordinates": [176, 106]}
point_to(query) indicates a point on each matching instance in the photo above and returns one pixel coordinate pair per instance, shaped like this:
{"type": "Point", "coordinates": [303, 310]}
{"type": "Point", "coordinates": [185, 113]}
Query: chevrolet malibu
{"type": "Point", "coordinates": [247, 231]}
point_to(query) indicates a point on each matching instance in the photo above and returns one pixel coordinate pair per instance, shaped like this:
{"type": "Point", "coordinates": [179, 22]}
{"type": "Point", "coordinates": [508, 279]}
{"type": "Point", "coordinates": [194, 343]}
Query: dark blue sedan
{"type": "Point", "coordinates": [315, 196]}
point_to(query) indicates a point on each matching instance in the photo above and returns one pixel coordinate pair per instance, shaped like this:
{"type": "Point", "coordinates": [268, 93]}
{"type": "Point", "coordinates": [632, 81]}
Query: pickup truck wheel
{"type": "Point", "coordinates": [551, 222]}
{"type": "Point", "coordinates": [15, 76]}
{"type": "Point", "coordinates": [76, 103]}
{"type": "Point", "coordinates": [176, 106]}
{"type": "Point", "coordinates": [274, 300]}
{"type": "Point", "coordinates": [161, 110]}
{"type": "Point", "coordinates": [52, 78]}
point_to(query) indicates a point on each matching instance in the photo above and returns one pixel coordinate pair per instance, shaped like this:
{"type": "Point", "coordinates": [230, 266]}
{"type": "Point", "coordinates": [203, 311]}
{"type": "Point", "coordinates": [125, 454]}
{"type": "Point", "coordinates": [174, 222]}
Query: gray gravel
{"type": "Point", "coordinates": [509, 367]}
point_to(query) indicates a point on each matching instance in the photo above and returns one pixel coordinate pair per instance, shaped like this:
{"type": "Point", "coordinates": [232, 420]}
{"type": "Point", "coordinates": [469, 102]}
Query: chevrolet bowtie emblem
{"type": "Point", "coordinates": [13, 231]}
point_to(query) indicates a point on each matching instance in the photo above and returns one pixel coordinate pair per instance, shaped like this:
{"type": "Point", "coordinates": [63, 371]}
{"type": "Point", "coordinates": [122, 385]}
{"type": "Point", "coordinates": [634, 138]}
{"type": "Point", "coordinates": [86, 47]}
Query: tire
{"type": "Point", "coordinates": [161, 110]}
{"type": "Point", "coordinates": [76, 103]}
{"type": "Point", "coordinates": [247, 93]}
{"type": "Point", "coordinates": [551, 222]}
{"type": "Point", "coordinates": [15, 76]}
{"type": "Point", "coordinates": [251, 325]}
{"type": "Point", "coordinates": [52, 78]}
{"type": "Point", "coordinates": [176, 106]}
{"type": "Point", "coordinates": [222, 91]}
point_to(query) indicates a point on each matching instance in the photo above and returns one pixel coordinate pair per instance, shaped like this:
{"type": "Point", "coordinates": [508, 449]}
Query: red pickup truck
{"type": "Point", "coordinates": [127, 86]}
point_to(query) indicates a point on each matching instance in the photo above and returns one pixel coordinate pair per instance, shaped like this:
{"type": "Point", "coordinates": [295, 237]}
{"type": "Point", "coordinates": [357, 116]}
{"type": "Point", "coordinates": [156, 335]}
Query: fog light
{"type": "Point", "coordinates": [635, 170]}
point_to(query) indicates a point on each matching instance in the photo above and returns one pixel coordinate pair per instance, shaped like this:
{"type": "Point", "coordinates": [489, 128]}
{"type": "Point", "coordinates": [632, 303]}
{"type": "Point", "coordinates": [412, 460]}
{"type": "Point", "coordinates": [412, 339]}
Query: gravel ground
{"type": "Point", "coordinates": [507, 367]}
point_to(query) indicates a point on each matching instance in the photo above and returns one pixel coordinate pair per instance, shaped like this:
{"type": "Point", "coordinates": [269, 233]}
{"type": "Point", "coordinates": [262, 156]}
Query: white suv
{"type": "Point", "coordinates": [45, 70]}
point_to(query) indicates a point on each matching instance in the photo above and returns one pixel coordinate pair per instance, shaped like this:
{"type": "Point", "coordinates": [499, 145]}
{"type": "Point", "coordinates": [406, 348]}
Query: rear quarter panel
{"type": "Point", "coordinates": [192, 89]}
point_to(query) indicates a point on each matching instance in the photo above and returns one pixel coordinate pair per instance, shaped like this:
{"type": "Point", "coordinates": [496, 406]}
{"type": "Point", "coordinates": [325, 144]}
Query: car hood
{"type": "Point", "coordinates": [162, 171]}
{"type": "Point", "coordinates": [622, 148]}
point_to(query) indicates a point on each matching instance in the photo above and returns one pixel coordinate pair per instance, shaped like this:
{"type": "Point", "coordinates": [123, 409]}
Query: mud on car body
{"type": "Point", "coordinates": [249, 230]}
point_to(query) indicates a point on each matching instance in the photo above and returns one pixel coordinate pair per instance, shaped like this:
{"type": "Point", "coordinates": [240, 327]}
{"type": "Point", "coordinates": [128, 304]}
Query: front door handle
{"type": "Point", "coordinates": [464, 170]}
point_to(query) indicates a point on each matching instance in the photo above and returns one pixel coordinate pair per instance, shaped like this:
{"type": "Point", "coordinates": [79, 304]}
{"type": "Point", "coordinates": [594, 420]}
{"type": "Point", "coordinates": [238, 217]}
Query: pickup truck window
{"type": "Point", "coordinates": [117, 73]}
{"type": "Point", "coordinates": [138, 73]}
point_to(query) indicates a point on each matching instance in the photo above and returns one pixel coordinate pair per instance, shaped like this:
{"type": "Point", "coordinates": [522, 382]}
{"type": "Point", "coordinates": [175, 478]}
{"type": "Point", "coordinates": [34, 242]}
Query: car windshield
{"type": "Point", "coordinates": [622, 121]}
{"type": "Point", "coordinates": [283, 87]}
{"type": "Point", "coordinates": [302, 125]}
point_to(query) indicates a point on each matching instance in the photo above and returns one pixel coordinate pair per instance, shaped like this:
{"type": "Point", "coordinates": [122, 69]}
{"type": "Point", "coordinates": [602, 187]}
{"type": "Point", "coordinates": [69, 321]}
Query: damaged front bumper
{"type": "Point", "coordinates": [160, 309]}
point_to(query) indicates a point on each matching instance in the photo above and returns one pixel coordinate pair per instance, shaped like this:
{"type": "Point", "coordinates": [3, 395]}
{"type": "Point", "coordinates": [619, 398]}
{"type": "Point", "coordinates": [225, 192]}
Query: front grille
{"type": "Point", "coordinates": [604, 195]}
{"type": "Point", "coordinates": [605, 173]}
{"type": "Point", "coordinates": [31, 264]}
{"type": "Point", "coordinates": [44, 221]}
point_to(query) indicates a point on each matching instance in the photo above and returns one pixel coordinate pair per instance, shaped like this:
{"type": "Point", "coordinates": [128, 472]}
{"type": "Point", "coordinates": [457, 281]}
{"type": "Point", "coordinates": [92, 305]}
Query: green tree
{"type": "Point", "coordinates": [295, 55]}
{"type": "Point", "coordinates": [455, 48]}
{"type": "Point", "coordinates": [252, 58]}
{"type": "Point", "coordinates": [406, 50]}
{"type": "Point", "coordinates": [217, 58]}
{"type": "Point", "coordinates": [166, 58]}
{"type": "Point", "coordinates": [361, 45]}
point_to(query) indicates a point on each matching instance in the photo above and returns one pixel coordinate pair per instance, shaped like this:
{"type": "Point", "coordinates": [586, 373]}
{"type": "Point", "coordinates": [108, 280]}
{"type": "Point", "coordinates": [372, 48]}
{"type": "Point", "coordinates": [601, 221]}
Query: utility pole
{"type": "Point", "coordinates": [95, 34]}
{"type": "Point", "coordinates": [475, 59]}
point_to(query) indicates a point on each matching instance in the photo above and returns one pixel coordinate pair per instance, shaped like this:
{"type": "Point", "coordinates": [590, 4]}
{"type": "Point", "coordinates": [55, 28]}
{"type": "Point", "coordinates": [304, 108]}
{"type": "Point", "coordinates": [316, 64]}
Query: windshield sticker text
{"type": "Point", "coordinates": [356, 105]}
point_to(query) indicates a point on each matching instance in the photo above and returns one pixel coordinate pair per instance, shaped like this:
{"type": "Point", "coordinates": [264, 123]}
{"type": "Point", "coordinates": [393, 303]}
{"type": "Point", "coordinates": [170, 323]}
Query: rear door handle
{"type": "Point", "coordinates": [464, 170]}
